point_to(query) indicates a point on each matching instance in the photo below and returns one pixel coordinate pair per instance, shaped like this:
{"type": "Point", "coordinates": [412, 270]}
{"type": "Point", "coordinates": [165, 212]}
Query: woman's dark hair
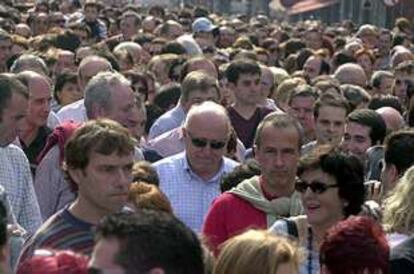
{"type": "Point", "coordinates": [138, 77]}
{"type": "Point", "coordinates": [61, 80]}
{"type": "Point", "coordinates": [347, 170]}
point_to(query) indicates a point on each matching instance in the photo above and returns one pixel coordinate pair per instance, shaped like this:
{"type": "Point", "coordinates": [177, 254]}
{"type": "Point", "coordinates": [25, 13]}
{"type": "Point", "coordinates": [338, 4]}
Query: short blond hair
{"type": "Point", "coordinates": [257, 251]}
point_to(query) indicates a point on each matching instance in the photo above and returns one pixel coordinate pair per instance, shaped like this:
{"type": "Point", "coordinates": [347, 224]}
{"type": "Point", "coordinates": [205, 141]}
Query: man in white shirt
{"type": "Point", "coordinates": [89, 67]}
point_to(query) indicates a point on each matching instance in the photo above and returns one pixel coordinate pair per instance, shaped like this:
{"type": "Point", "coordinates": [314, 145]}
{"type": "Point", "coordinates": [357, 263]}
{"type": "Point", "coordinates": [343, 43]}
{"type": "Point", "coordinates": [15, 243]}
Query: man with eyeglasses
{"type": "Point", "coordinates": [191, 179]}
{"type": "Point", "coordinates": [259, 201]}
{"type": "Point", "coordinates": [196, 88]}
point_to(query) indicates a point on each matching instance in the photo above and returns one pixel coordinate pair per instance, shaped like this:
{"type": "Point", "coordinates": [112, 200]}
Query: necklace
{"type": "Point", "coordinates": [310, 249]}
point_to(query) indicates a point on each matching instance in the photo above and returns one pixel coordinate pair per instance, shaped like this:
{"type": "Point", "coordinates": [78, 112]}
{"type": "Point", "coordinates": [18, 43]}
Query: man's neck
{"type": "Point", "coordinates": [84, 212]}
{"type": "Point", "coordinates": [246, 111]}
{"type": "Point", "coordinates": [29, 134]}
{"type": "Point", "coordinates": [276, 190]}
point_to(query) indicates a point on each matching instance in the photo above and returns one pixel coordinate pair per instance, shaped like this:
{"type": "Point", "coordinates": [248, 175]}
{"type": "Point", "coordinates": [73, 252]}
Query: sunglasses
{"type": "Point", "coordinates": [315, 186]}
{"type": "Point", "coordinates": [202, 142]}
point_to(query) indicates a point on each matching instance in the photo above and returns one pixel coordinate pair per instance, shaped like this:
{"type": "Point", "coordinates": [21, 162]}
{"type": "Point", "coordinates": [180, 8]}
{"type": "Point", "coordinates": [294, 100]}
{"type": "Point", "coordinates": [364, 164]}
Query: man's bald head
{"type": "Point", "coordinates": [392, 118]}
{"type": "Point", "coordinates": [350, 73]}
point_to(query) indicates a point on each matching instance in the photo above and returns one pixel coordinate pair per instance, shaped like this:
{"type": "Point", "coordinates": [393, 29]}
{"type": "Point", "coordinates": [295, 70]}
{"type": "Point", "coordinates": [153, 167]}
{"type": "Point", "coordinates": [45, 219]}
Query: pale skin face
{"type": "Point", "coordinates": [386, 85]}
{"type": "Point", "coordinates": [302, 108]}
{"type": "Point", "coordinates": [5, 50]}
{"type": "Point", "coordinates": [330, 125]}
{"type": "Point", "coordinates": [356, 139]}
{"type": "Point", "coordinates": [70, 93]}
{"type": "Point", "coordinates": [247, 89]}
{"type": "Point", "coordinates": [266, 81]}
{"type": "Point", "coordinates": [325, 209]}
{"type": "Point", "coordinates": [39, 102]}
{"type": "Point", "coordinates": [278, 155]}
{"type": "Point", "coordinates": [103, 185]}
{"type": "Point", "coordinates": [123, 107]}
{"type": "Point", "coordinates": [312, 66]}
{"type": "Point", "coordinates": [128, 27]}
{"type": "Point", "coordinates": [13, 117]}
{"type": "Point", "coordinates": [205, 161]}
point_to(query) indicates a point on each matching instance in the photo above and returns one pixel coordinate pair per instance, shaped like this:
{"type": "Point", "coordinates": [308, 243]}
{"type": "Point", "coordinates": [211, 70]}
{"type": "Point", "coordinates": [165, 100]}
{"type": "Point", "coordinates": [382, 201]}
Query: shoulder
{"type": "Point", "coordinates": [47, 229]}
{"type": "Point", "coordinates": [229, 164]}
{"type": "Point", "coordinates": [15, 153]}
{"type": "Point", "coordinates": [72, 106]}
{"type": "Point", "coordinates": [228, 200]}
{"type": "Point", "coordinates": [170, 161]}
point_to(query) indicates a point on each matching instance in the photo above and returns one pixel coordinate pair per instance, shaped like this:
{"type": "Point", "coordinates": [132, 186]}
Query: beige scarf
{"type": "Point", "coordinates": [275, 209]}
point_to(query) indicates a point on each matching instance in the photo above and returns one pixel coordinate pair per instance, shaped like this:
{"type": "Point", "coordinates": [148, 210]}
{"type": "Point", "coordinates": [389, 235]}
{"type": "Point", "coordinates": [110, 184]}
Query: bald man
{"type": "Point", "coordinates": [392, 118]}
{"type": "Point", "coordinates": [350, 73]}
{"type": "Point", "coordinates": [191, 179]}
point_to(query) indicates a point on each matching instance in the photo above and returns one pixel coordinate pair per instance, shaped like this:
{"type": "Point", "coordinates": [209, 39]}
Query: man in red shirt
{"type": "Point", "coordinates": [259, 201]}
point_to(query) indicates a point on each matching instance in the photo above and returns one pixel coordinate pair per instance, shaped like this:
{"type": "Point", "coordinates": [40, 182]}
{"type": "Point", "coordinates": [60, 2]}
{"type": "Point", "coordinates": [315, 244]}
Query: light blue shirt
{"type": "Point", "coordinates": [16, 178]}
{"type": "Point", "coordinates": [168, 121]}
{"type": "Point", "coordinates": [190, 195]}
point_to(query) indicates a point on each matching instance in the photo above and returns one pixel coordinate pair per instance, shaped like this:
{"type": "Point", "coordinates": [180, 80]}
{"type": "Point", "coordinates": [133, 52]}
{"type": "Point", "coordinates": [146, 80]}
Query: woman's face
{"type": "Point", "coordinates": [70, 93]}
{"type": "Point", "coordinates": [322, 209]}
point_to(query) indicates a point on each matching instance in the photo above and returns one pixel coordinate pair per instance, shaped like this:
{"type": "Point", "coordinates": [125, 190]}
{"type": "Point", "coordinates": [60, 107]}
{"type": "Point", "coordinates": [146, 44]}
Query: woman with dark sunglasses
{"type": "Point", "coordinates": [332, 189]}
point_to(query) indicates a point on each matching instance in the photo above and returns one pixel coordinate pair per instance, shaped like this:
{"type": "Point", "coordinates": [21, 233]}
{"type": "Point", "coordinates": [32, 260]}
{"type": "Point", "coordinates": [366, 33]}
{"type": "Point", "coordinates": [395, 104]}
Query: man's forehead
{"type": "Point", "coordinates": [249, 76]}
{"type": "Point", "coordinates": [356, 129]}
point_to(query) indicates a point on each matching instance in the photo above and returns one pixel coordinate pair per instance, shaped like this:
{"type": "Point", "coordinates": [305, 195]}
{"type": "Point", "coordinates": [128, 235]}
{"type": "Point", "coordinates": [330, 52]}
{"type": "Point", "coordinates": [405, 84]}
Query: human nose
{"type": "Point", "coordinates": [124, 178]}
{"type": "Point", "coordinates": [278, 160]}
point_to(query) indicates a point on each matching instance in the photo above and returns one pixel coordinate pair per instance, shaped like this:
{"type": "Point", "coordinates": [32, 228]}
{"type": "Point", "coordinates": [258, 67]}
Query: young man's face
{"type": "Point", "coordinates": [301, 107]}
{"type": "Point", "coordinates": [13, 116]}
{"type": "Point", "coordinates": [104, 182]}
{"type": "Point", "coordinates": [91, 13]}
{"type": "Point", "coordinates": [128, 27]}
{"type": "Point", "coordinates": [357, 140]}
{"type": "Point", "coordinates": [247, 89]}
{"type": "Point", "coordinates": [5, 50]}
{"type": "Point", "coordinates": [330, 125]}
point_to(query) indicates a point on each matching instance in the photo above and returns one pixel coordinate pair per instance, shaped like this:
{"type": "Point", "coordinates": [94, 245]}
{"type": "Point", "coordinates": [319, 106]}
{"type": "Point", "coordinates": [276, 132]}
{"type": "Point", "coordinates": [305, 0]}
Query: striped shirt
{"type": "Point", "coordinates": [62, 231]}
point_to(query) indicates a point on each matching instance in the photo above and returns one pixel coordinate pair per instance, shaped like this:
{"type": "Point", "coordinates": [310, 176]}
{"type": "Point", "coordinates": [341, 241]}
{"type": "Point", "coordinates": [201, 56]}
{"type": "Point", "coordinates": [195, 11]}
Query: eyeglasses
{"type": "Point", "coordinates": [202, 142]}
{"type": "Point", "coordinates": [315, 186]}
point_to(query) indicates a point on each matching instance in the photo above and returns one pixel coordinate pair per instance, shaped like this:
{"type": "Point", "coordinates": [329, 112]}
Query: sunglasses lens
{"type": "Point", "coordinates": [301, 187]}
{"type": "Point", "coordinates": [199, 142]}
{"type": "Point", "coordinates": [318, 188]}
{"type": "Point", "coordinates": [217, 145]}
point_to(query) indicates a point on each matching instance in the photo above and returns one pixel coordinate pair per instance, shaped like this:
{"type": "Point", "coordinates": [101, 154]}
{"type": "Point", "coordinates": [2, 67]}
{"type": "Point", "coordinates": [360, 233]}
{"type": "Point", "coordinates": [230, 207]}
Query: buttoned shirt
{"type": "Point", "coordinates": [168, 121]}
{"type": "Point", "coordinates": [16, 179]}
{"type": "Point", "coordinates": [75, 111]}
{"type": "Point", "coordinates": [190, 195]}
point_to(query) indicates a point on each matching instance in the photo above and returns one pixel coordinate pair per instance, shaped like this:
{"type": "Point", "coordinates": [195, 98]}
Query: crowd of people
{"type": "Point", "coordinates": [174, 140]}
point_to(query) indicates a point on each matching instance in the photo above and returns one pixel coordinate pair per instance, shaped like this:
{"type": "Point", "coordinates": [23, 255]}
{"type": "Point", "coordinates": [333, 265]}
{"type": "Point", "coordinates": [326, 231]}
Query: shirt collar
{"type": "Point", "coordinates": [187, 168]}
